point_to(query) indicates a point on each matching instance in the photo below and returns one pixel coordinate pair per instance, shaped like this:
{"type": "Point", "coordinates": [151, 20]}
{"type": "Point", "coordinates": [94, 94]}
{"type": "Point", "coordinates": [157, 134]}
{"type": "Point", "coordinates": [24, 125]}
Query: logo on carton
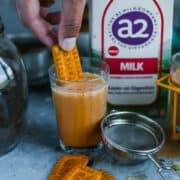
{"type": "Point", "coordinates": [133, 28]}
{"type": "Point", "coordinates": [113, 50]}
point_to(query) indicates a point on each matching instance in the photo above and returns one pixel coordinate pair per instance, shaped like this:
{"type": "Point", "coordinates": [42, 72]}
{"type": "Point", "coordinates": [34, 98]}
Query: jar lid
{"type": "Point", "coordinates": [6, 74]}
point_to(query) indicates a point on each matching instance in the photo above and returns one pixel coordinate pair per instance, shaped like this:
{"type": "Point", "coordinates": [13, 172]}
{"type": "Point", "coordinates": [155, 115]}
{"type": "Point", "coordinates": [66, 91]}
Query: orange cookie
{"type": "Point", "coordinates": [54, 177]}
{"type": "Point", "coordinates": [67, 63]}
{"type": "Point", "coordinates": [65, 164]}
{"type": "Point", "coordinates": [83, 173]}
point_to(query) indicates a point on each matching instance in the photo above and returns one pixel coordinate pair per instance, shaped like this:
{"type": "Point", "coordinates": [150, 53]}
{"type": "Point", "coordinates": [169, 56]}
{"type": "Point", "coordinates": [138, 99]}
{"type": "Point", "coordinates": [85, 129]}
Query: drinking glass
{"type": "Point", "coordinates": [81, 105]}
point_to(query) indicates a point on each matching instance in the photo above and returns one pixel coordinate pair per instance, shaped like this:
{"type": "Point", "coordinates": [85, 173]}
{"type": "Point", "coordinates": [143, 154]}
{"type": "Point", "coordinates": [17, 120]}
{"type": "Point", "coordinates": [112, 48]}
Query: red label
{"type": "Point", "coordinates": [113, 50]}
{"type": "Point", "coordinates": [133, 66]}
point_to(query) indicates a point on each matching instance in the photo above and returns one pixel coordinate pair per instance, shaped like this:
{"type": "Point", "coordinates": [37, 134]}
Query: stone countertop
{"type": "Point", "coordinates": [38, 150]}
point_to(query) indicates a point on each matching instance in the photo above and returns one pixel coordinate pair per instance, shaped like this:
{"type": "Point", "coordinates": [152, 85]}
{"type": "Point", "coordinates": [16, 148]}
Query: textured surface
{"type": "Point", "coordinates": [34, 157]}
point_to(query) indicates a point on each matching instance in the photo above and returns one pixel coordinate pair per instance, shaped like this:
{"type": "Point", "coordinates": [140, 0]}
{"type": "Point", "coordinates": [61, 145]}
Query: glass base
{"type": "Point", "coordinates": [86, 150]}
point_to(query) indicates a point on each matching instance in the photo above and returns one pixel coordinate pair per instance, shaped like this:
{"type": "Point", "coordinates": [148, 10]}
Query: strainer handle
{"type": "Point", "coordinates": [166, 173]}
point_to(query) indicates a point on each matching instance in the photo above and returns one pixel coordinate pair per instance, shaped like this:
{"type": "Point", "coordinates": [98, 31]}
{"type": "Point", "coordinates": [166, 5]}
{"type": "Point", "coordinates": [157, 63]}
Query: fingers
{"type": "Point", "coordinates": [29, 11]}
{"type": "Point", "coordinates": [40, 22]}
{"type": "Point", "coordinates": [42, 30]}
{"type": "Point", "coordinates": [71, 19]}
{"type": "Point", "coordinates": [53, 34]}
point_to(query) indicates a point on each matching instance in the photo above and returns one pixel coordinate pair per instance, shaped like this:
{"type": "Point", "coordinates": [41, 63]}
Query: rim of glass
{"type": "Point", "coordinates": [53, 76]}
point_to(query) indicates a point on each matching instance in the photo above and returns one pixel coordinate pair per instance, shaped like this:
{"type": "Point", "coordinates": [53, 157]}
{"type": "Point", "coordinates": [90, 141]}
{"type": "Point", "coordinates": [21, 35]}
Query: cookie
{"type": "Point", "coordinates": [83, 173]}
{"type": "Point", "coordinates": [67, 63]}
{"type": "Point", "coordinates": [66, 163]}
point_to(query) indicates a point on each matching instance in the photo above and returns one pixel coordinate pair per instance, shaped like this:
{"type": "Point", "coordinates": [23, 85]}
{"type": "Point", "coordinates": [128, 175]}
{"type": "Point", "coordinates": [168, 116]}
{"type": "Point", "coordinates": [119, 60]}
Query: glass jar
{"type": "Point", "coordinates": [13, 94]}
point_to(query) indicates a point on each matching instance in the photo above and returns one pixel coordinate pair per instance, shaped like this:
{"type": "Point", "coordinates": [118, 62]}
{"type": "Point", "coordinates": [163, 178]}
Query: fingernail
{"type": "Point", "coordinates": [68, 43]}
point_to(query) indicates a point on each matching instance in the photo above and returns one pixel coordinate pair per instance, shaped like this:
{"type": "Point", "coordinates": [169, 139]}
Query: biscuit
{"type": "Point", "coordinates": [67, 63]}
{"type": "Point", "coordinates": [66, 163]}
{"type": "Point", "coordinates": [83, 173]}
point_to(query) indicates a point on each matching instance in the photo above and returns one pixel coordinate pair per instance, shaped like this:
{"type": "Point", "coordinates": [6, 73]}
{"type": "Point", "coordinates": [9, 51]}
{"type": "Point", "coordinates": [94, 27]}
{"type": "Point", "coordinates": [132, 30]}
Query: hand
{"type": "Point", "coordinates": [35, 14]}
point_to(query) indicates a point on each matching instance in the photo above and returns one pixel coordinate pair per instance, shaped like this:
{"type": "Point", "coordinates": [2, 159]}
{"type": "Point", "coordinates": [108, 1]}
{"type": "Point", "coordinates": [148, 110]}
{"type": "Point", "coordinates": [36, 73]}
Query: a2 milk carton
{"type": "Point", "coordinates": [134, 38]}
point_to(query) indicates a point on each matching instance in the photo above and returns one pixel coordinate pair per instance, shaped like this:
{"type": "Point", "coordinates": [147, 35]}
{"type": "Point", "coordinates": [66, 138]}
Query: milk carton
{"type": "Point", "coordinates": [134, 38]}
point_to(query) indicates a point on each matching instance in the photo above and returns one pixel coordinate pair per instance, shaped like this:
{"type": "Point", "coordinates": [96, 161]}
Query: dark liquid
{"type": "Point", "coordinates": [12, 116]}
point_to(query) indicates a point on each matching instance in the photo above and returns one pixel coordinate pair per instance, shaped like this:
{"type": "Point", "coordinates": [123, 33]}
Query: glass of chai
{"type": "Point", "coordinates": [81, 105]}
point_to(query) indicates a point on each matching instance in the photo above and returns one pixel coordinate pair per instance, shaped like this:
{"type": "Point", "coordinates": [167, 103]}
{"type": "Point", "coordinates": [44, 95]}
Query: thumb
{"type": "Point", "coordinates": [71, 19]}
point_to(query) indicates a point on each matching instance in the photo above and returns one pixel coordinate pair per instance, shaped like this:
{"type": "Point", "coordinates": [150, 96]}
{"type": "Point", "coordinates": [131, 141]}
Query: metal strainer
{"type": "Point", "coordinates": [132, 138]}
